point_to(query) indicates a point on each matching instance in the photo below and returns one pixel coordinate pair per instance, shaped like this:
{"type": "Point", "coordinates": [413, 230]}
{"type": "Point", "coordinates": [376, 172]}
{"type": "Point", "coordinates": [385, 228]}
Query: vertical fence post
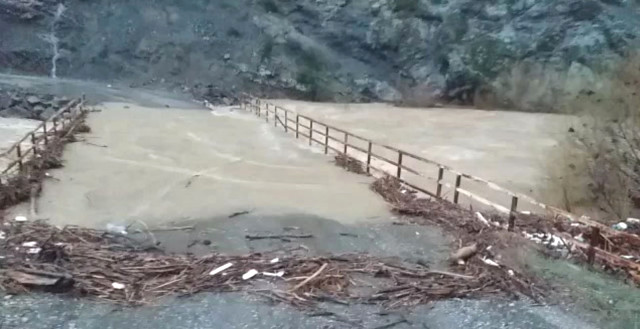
{"type": "Point", "coordinates": [399, 165]}
{"type": "Point", "coordinates": [369, 157]}
{"type": "Point", "coordinates": [346, 142]}
{"type": "Point", "coordinates": [326, 139]}
{"type": "Point", "coordinates": [55, 124]}
{"type": "Point", "coordinates": [266, 112]}
{"type": "Point", "coordinates": [275, 116]}
{"type": "Point", "coordinates": [456, 194]}
{"type": "Point", "coordinates": [310, 131]}
{"type": "Point", "coordinates": [512, 213]}
{"type": "Point", "coordinates": [19, 154]}
{"type": "Point", "coordinates": [286, 121]}
{"type": "Point", "coordinates": [44, 129]}
{"type": "Point", "coordinates": [33, 144]}
{"type": "Point", "coordinates": [297, 125]}
{"type": "Point", "coordinates": [440, 177]}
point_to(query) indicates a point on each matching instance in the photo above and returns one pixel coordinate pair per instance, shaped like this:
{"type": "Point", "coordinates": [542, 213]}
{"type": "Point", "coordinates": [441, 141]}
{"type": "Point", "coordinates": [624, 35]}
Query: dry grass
{"type": "Point", "coordinates": [597, 166]}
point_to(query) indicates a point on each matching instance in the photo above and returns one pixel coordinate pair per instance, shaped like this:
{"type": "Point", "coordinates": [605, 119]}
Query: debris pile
{"type": "Point", "coordinates": [117, 268]}
{"type": "Point", "coordinates": [350, 164]}
{"type": "Point", "coordinates": [617, 252]}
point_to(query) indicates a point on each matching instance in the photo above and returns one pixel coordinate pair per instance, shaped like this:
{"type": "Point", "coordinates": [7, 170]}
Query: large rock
{"type": "Point", "coordinates": [16, 112]}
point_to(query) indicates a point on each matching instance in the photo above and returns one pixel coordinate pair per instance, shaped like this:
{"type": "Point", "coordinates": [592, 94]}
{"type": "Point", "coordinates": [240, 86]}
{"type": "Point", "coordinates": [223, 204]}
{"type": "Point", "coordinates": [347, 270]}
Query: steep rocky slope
{"type": "Point", "coordinates": [392, 50]}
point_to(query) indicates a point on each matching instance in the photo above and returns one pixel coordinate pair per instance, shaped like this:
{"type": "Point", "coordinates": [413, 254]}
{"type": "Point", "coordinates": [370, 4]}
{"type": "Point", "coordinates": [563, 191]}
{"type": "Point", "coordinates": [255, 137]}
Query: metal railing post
{"type": "Point", "coordinates": [310, 132]}
{"type": "Point", "coordinates": [326, 139]}
{"type": "Point", "coordinates": [512, 213]}
{"type": "Point", "coordinates": [19, 154]}
{"type": "Point", "coordinates": [399, 165]}
{"type": "Point", "coordinates": [456, 194]}
{"type": "Point", "coordinates": [34, 146]}
{"type": "Point", "coordinates": [440, 177]}
{"type": "Point", "coordinates": [275, 116]}
{"type": "Point", "coordinates": [369, 157]}
{"type": "Point", "coordinates": [297, 125]}
{"type": "Point", "coordinates": [346, 142]}
{"type": "Point", "coordinates": [286, 121]}
{"type": "Point", "coordinates": [44, 129]}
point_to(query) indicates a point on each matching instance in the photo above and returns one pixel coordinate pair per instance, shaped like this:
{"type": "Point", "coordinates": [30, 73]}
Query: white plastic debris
{"type": "Point", "coordinates": [275, 260]}
{"type": "Point", "coordinates": [511, 273]}
{"type": "Point", "coordinates": [3, 235]}
{"type": "Point", "coordinates": [250, 274]}
{"type": "Point", "coordinates": [114, 228]}
{"type": "Point", "coordinates": [277, 274]}
{"type": "Point", "coordinates": [117, 285]}
{"type": "Point", "coordinates": [575, 224]}
{"type": "Point", "coordinates": [417, 233]}
{"type": "Point", "coordinates": [627, 256]}
{"type": "Point", "coordinates": [482, 219]}
{"type": "Point", "coordinates": [620, 226]}
{"type": "Point", "coordinates": [20, 219]}
{"type": "Point", "coordinates": [220, 269]}
{"type": "Point", "coordinates": [34, 250]}
{"type": "Point", "coordinates": [525, 212]}
{"type": "Point", "coordinates": [489, 247]}
{"type": "Point", "coordinates": [632, 220]}
{"type": "Point", "coordinates": [30, 244]}
{"type": "Point", "coordinates": [490, 262]}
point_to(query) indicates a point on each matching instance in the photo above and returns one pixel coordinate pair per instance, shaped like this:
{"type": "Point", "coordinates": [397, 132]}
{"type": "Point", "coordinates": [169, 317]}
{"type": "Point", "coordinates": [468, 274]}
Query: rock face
{"type": "Point", "coordinates": [392, 50]}
{"type": "Point", "coordinates": [20, 104]}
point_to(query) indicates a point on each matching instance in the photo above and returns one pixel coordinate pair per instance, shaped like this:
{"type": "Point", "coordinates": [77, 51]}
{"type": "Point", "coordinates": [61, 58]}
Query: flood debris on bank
{"type": "Point", "coordinates": [616, 253]}
{"type": "Point", "coordinates": [117, 268]}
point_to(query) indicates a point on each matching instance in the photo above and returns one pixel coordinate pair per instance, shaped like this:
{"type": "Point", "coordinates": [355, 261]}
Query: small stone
{"type": "Point", "coordinates": [33, 100]}
{"type": "Point", "coordinates": [24, 319]}
{"type": "Point", "coordinates": [206, 242]}
{"type": "Point", "coordinates": [7, 297]}
{"type": "Point", "coordinates": [227, 56]}
{"type": "Point", "coordinates": [38, 109]}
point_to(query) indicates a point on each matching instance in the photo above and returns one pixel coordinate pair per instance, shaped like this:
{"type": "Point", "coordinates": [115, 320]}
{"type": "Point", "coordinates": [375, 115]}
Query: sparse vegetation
{"type": "Point", "coordinates": [599, 165]}
{"type": "Point", "coordinates": [267, 50]}
{"type": "Point", "coordinates": [405, 6]}
{"type": "Point", "coordinates": [234, 33]}
{"type": "Point", "coordinates": [269, 6]}
{"type": "Point", "coordinates": [313, 76]}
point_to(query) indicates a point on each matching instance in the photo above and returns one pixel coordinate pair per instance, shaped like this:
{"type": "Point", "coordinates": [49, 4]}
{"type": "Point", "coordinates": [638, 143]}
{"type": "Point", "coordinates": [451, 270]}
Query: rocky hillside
{"type": "Point", "coordinates": [415, 51]}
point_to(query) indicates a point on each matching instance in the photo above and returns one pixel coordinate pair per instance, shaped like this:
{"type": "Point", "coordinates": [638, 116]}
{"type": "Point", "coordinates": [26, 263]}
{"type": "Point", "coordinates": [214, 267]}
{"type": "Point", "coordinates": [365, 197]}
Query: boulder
{"type": "Point", "coordinates": [33, 100]}
{"type": "Point", "coordinates": [15, 112]}
{"type": "Point", "coordinates": [46, 114]}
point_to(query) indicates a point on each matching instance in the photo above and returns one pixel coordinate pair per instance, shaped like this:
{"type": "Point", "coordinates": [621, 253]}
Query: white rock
{"type": "Point", "coordinates": [620, 226]}
{"type": "Point", "coordinates": [490, 262]}
{"type": "Point", "coordinates": [220, 269]}
{"type": "Point", "coordinates": [20, 219]}
{"type": "Point", "coordinates": [275, 260]}
{"type": "Point", "coordinates": [250, 274]}
{"type": "Point", "coordinates": [30, 244]}
{"type": "Point", "coordinates": [511, 272]}
{"type": "Point", "coordinates": [3, 235]}
{"type": "Point", "coordinates": [117, 285]}
{"type": "Point", "coordinates": [34, 250]}
{"type": "Point", "coordinates": [277, 274]}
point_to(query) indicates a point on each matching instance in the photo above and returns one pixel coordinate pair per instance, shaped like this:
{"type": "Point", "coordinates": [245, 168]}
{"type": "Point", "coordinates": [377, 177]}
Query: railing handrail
{"type": "Point", "coordinates": [41, 124]}
{"type": "Point", "coordinates": [491, 185]}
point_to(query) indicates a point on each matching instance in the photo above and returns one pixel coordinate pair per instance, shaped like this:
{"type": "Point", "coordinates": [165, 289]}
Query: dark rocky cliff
{"type": "Point", "coordinates": [392, 50]}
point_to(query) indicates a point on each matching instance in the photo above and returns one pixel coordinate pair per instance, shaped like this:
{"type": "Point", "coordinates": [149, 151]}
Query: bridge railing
{"type": "Point", "coordinates": [38, 139]}
{"type": "Point", "coordinates": [433, 178]}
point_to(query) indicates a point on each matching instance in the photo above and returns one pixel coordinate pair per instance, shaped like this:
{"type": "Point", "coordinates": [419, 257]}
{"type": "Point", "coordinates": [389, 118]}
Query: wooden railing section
{"type": "Point", "coordinates": [39, 138]}
{"type": "Point", "coordinates": [389, 160]}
